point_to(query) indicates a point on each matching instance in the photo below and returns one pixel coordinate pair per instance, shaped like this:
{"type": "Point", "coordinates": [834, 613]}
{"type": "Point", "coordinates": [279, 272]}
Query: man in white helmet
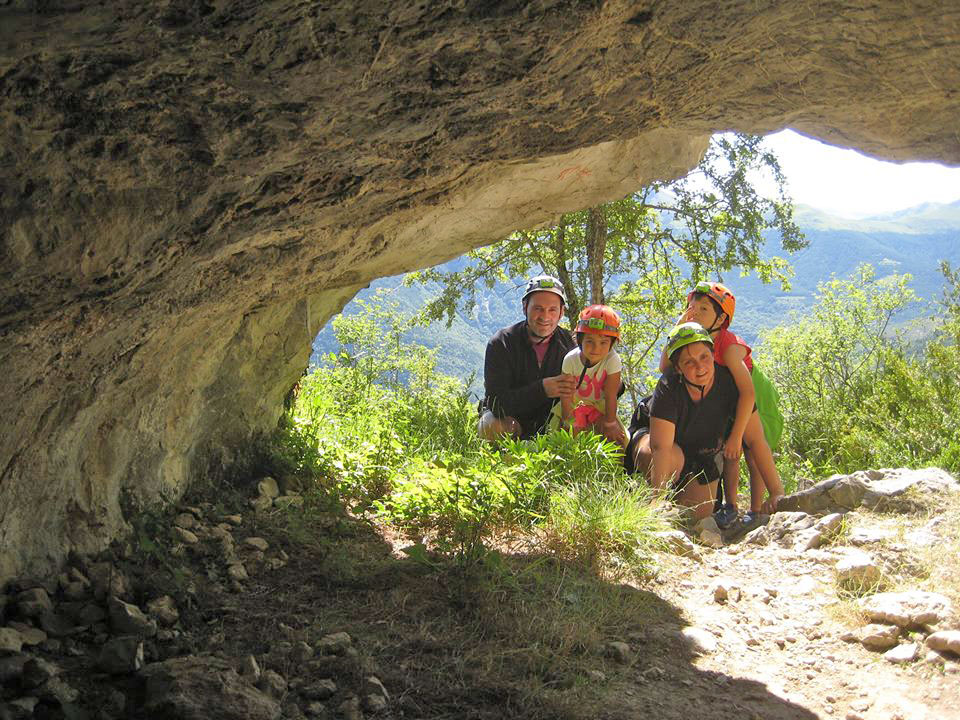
{"type": "Point", "coordinates": [522, 368]}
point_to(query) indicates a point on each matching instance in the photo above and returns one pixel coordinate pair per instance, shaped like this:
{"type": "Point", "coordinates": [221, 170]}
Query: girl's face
{"type": "Point", "coordinates": [703, 311]}
{"type": "Point", "coordinates": [595, 347]}
{"type": "Point", "coordinates": [695, 363]}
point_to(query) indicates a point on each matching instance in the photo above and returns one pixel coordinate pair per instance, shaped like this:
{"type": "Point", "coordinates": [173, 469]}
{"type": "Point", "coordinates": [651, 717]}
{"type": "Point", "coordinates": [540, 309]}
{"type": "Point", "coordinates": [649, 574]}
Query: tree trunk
{"type": "Point", "coordinates": [572, 308]}
{"type": "Point", "coordinates": [596, 237]}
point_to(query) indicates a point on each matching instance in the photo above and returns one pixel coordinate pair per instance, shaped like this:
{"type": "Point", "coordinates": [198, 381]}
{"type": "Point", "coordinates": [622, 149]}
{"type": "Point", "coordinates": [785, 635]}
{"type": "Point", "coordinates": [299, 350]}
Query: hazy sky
{"type": "Point", "coordinates": [846, 183]}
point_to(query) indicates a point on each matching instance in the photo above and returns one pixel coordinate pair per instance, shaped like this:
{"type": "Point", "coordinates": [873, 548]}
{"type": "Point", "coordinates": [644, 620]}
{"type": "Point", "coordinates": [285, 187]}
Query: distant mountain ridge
{"type": "Point", "coordinates": [906, 241]}
{"type": "Point", "coordinates": [919, 219]}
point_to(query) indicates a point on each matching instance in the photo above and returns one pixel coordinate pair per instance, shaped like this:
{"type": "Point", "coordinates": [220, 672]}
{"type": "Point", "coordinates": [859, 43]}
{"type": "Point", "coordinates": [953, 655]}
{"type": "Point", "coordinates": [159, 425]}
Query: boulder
{"type": "Point", "coordinates": [187, 537]}
{"type": "Point", "coordinates": [878, 636]}
{"type": "Point", "coordinates": [320, 690]}
{"type": "Point", "coordinates": [267, 487]}
{"type": "Point", "coordinates": [186, 520]}
{"type": "Point", "coordinates": [29, 634]}
{"type": "Point", "coordinates": [334, 643]}
{"type": "Point", "coordinates": [857, 571]}
{"type": "Point", "coordinates": [107, 579]}
{"type": "Point", "coordinates": [203, 688]}
{"type": "Point", "coordinates": [164, 609]}
{"type": "Point", "coordinates": [678, 543]}
{"type": "Point", "coordinates": [945, 641]}
{"type": "Point", "coordinates": [619, 651]}
{"type": "Point", "coordinates": [11, 668]}
{"type": "Point", "coordinates": [273, 684]}
{"type": "Point", "coordinates": [257, 543]}
{"type": "Point", "coordinates": [910, 609]}
{"type": "Point", "coordinates": [891, 492]}
{"type": "Point", "coordinates": [36, 672]}
{"type": "Point", "coordinates": [11, 641]}
{"type": "Point", "coordinates": [900, 654]}
{"type": "Point", "coordinates": [250, 669]}
{"type": "Point", "coordinates": [708, 532]}
{"type": "Point", "coordinates": [34, 603]}
{"type": "Point", "coordinates": [128, 619]}
{"type": "Point", "coordinates": [121, 655]}
{"type": "Point", "coordinates": [838, 493]}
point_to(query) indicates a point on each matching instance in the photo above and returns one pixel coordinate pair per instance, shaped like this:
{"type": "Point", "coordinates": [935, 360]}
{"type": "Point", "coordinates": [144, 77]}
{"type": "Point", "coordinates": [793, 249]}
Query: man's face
{"type": "Point", "coordinates": [544, 310]}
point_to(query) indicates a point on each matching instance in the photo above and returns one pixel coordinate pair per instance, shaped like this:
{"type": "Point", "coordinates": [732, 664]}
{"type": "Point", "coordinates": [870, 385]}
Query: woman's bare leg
{"type": "Point", "coordinates": [699, 497]}
{"type": "Point", "coordinates": [672, 462]}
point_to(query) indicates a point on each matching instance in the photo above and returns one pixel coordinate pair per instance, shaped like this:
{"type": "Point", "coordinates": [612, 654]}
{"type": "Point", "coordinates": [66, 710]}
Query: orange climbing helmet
{"type": "Point", "coordinates": [599, 320]}
{"type": "Point", "coordinates": [720, 294]}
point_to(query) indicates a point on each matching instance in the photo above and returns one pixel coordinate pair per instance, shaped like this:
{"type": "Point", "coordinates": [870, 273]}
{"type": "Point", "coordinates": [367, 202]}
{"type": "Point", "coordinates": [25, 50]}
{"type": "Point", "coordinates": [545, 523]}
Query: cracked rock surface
{"type": "Point", "coordinates": [188, 191]}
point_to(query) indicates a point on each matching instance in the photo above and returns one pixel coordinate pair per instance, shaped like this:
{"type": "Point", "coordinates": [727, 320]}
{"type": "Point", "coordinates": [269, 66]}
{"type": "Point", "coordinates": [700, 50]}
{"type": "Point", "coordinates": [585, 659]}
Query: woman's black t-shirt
{"type": "Point", "coordinates": [701, 427]}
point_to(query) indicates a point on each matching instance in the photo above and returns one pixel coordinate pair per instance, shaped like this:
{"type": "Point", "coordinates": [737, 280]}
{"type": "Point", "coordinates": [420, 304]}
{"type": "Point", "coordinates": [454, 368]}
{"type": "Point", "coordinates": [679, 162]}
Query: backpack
{"type": "Point", "coordinates": [639, 426]}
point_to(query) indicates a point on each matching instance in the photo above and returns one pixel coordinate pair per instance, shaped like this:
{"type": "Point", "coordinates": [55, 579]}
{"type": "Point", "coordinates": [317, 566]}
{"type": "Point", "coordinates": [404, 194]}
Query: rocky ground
{"type": "Point", "coordinates": [842, 606]}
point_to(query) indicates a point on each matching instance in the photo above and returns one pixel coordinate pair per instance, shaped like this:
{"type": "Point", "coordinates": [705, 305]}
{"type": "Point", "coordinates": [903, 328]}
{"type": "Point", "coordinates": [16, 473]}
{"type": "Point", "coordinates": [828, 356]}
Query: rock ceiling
{"type": "Point", "coordinates": [189, 190]}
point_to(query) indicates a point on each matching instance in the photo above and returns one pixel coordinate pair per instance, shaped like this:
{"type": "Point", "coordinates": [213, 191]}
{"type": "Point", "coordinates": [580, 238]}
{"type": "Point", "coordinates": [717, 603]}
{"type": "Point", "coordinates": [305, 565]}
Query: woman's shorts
{"type": "Point", "coordinates": [703, 470]}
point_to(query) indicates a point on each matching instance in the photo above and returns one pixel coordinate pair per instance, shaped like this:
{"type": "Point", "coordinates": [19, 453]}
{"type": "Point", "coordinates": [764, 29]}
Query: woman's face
{"type": "Point", "coordinates": [695, 363]}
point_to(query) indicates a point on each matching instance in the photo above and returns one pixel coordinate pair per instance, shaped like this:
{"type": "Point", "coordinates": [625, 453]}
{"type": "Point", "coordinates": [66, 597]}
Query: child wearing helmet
{"type": "Point", "coordinates": [712, 305]}
{"type": "Point", "coordinates": [597, 367]}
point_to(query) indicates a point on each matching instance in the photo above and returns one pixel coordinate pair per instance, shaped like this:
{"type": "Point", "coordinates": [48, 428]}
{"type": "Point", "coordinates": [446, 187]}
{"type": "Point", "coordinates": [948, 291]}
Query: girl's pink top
{"type": "Point", "coordinates": [724, 339]}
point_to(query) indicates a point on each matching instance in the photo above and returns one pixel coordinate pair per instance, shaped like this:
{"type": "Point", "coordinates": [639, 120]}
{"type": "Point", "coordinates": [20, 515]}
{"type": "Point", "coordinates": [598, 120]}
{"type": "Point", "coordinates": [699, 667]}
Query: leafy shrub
{"type": "Point", "coordinates": [392, 437]}
{"type": "Point", "coordinates": [853, 396]}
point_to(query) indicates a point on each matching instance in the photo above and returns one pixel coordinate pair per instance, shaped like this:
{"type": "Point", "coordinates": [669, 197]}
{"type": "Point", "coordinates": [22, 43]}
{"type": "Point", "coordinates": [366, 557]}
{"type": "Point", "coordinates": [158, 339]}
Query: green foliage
{"type": "Point", "coordinates": [664, 236]}
{"type": "Point", "coordinates": [852, 395]}
{"type": "Point", "coordinates": [402, 445]}
{"type": "Point", "coordinates": [604, 524]}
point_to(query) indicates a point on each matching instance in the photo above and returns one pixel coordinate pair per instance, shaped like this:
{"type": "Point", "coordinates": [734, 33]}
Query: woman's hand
{"type": "Point", "coordinates": [732, 448]}
{"type": "Point", "coordinates": [613, 431]}
{"type": "Point", "coordinates": [770, 504]}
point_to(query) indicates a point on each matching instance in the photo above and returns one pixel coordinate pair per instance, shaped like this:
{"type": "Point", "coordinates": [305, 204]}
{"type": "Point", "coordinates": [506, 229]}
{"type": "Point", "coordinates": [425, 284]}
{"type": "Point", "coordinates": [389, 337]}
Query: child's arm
{"type": "Point", "coordinates": [664, 360]}
{"type": "Point", "coordinates": [612, 427]}
{"type": "Point", "coordinates": [733, 358]}
{"type": "Point", "coordinates": [566, 410]}
{"type": "Point", "coordinates": [610, 388]}
{"type": "Point", "coordinates": [566, 401]}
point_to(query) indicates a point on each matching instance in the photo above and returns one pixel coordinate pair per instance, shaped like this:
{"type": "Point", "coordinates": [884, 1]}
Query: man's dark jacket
{"type": "Point", "coordinates": [513, 380]}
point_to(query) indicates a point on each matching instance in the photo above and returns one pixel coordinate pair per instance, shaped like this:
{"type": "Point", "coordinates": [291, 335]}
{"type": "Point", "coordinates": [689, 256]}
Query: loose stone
{"type": "Point", "coordinates": [902, 653]}
{"type": "Point", "coordinates": [945, 641]}
{"type": "Point", "coordinates": [128, 619]}
{"type": "Point", "coordinates": [257, 543]}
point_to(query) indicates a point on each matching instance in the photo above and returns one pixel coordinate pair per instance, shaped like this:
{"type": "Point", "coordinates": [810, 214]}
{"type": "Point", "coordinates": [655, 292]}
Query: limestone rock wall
{"type": "Point", "coordinates": [189, 190]}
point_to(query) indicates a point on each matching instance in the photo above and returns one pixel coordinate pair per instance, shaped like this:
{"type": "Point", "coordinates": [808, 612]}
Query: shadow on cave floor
{"type": "Point", "coordinates": [529, 639]}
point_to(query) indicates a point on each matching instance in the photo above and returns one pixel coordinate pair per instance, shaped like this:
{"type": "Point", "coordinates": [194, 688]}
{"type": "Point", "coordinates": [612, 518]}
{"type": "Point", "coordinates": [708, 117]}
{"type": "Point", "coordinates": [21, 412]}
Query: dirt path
{"type": "Point", "coordinates": [779, 651]}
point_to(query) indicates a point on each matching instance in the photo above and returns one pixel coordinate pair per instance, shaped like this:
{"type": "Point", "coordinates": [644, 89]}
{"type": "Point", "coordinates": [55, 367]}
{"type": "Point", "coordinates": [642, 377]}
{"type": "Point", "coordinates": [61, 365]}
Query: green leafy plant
{"type": "Point", "coordinates": [853, 394]}
{"type": "Point", "coordinates": [664, 236]}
